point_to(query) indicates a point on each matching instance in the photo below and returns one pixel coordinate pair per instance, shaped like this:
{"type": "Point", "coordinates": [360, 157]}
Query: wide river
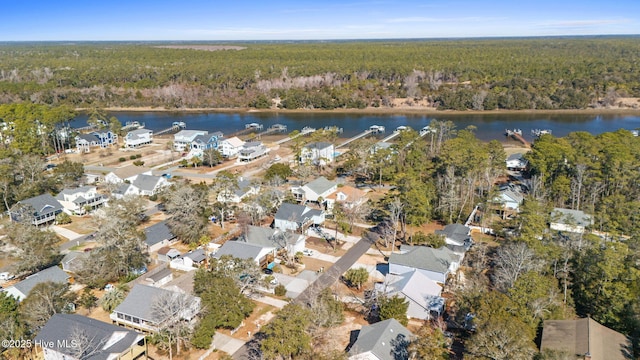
{"type": "Point", "coordinates": [488, 126]}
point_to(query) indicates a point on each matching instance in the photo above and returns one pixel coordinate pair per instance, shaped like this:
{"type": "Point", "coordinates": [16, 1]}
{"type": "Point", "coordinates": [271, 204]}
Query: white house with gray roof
{"type": "Point", "coordinates": [296, 217]}
{"type": "Point", "coordinates": [230, 147]}
{"type": "Point", "coordinates": [318, 153]}
{"type": "Point", "coordinates": [141, 185]}
{"type": "Point", "coordinates": [22, 289]}
{"type": "Point", "coordinates": [275, 239]}
{"type": "Point", "coordinates": [138, 137]}
{"type": "Point", "coordinates": [320, 188]}
{"type": "Point", "coordinates": [102, 341]}
{"type": "Point", "coordinates": [574, 221]}
{"type": "Point", "coordinates": [77, 201]}
{"type": "Point", "coordinates": [244, 250]}
{"type": "Point", "coordinates": [243, 189]}
{"type": "Point", "coordinates": [158, 236]}
{"type": "Point", "coordinates": [37, 210]}
{"type": "Point", "coordinates": [422, 293]}
{"type": "Point", "coordinates": [136, 311]}
{"type": "Point", "coordinates": [126, 174]}
{"type": "Point", "coordinates": [516, 162]}
{"type": "Point", "coordinates": [251, 151]}
{"type": "Point", "coordinates": [384, 340]}
{"type": "Point", "coordinates": [183, 138]}
{"type": "Point", "coordinates": [436, 264]}
{"type": "Point", "coordinates": [456, 235]}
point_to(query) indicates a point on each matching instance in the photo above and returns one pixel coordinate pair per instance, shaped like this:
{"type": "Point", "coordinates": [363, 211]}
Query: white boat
{"type": "Point", "coordinates": [540, 132]}
{"type": "Point", "coordinates": [179, 124]}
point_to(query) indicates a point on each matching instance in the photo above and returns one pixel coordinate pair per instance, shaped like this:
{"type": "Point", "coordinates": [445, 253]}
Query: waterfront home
{"type": "Point", "coordinates": [436, 264]}
{"type": "Point", "coordinates": [318, 153]}
{"type": "Point", "coordinates": [516, 162]}
{"type": "Point", "coordinates": [75, 337]}
{"type": "Point", "coordinates": [102, 139]}
{"type": "Point", "coordinates": [207, 141]}
{"type": "Point", "coordinates": [126, 174]}
{"type": "Point", "coordinates": [251, 151]}
{"type": "Point", "coordinates": [384, 340]}
{"type": "Point", "coordinates": [183, 139]}
{"type": "Point", "coordinates": [317, 190]}
{"type": "Point", "coordinates": [138, 137]}
{"type": "Point", "coordinates": [568, 220]}
{"type": "Point", "coordinates": [230, 147]}
{"type": "Point", "coordinates": [37, 210]}
{"type": "Point", "coordinates": [137, 309]}
{"type": "Point", "coordinates": [422, 294]}
{"type": "Point", "coordinates": [80, 200]}
{"type": "Point", "coordinates": [296, 217]}
{"type": "Point", "coordinates": [22, 289]}
{"type": "Point", "coordinates": [158, 236]}
{"type": "Point", "coordinates": [584, 339]}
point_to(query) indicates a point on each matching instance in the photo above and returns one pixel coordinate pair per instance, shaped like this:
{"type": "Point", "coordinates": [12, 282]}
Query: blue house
{"type": "Point", "coordinates": [208, 141]}
{"type": "Point", "coordinates": [102, 138]}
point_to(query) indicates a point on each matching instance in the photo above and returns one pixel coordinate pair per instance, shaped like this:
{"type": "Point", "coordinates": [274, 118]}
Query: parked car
{"type": "Point", "coordinates": [307, 252]}
{"type": "Point", "coordinates": [4, 276]}
{"type": "Point", "coordinates": [267, 271]}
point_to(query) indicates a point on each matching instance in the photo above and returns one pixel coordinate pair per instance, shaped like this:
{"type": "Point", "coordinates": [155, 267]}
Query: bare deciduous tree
{"type": "Point", "coordinates": [511, 261]}
{"type": "Point", "coordinates": [170, 309]}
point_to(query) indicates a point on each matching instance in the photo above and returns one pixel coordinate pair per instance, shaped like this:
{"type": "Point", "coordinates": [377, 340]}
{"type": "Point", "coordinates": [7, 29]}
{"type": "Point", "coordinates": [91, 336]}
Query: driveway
{"type": "Point", "coordinates": [70, 235]}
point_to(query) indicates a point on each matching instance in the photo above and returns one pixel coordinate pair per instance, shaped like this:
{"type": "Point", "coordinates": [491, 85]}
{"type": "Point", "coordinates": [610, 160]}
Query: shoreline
{"type": "Point", "coordinates": [377, 111]}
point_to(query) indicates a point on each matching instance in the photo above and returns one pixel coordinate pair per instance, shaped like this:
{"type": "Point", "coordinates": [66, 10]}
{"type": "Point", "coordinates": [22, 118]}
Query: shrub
{"type": "Point", "coordinates": [132, 157]}
{"type": "Point", "coordinates": [138, 163]}
{"type": "Point", "coordinates": [122, 159]}
{"type": "Point", "coordinates": [280, 290]}
{"type": "Point", "coordinates": [63, 218]}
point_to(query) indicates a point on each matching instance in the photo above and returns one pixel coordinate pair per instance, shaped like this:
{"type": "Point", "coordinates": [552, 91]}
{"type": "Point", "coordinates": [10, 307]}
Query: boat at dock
{"type": "Point", "coordinates": [540, 132]}
{"type": "Point", "coordinates": [132, 125]}
{"type": "Point", "coordinates": [509, 132]}
{"type": "Point", "coordinates": [179, 124]}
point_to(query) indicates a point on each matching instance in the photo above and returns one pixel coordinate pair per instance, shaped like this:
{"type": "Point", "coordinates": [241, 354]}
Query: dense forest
{"type": "Point", "coordinates": [538, 73]}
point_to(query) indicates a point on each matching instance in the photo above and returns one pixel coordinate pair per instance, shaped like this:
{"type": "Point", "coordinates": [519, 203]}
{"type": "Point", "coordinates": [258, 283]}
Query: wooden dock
{"type": "Point", "coordinates": [361, 135]}
{"type": "Point", "coordinates": [305, 131]}
{"type": "Point", "coordinates": [168, 130]}
{"type": "Point", "coordinates": [392, 136]}
{"type": "Point", "coordinates": [519, 137]}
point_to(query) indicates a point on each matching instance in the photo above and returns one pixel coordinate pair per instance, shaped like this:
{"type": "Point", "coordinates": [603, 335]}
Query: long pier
{"type": "Point", "coordinates": [168, 130]}
{"type": "Point", "coordinates": [392, 136]}
{"type": "Point", "coordinates": [519, 137]}
{"type": "Point", "coordinates": [273, 129]}
{"type": "Point", "coordinates": [305, 131]}
{"type": "Point", "coordinates": [361, 135]}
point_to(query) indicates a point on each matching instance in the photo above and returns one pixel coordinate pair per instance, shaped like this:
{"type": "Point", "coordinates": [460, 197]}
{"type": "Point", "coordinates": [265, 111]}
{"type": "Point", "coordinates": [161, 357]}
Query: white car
{"type": "Point", "coordinates": [4, 276]}
{"type": "Point", "coordinates": [307, 252]}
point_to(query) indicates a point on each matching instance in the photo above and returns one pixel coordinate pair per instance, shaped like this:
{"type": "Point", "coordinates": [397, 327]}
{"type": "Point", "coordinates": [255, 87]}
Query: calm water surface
{"type": "Point", "coordinates": [488, 127]}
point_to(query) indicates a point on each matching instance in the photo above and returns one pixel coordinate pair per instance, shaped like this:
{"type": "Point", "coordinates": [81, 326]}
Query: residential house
{"type": "Point", "coordinates": [77, 201]}
{"type": "Point", "coordinates": [72, 261]}
{"type": "Point", "coordinates": [230, 147]}
{"type": "Point", "coordinates": [244, 188]}
{"type": "Point", "coordinates": [77, 337]}
{"type": "Point", "coordinates": [197, 257]}
{"type": "Point", "coordinates": [159, 278]}
{"type": "Point", "coordinates": [509, 198]}
{"type": "Point", "coordinates": [126, 174]}
{"type": "Point", "coordinates": [251, 151]}
{"type": "Point", "coordinates": [142, 185]}
{"type": "Point", "coordinates": [317, 190]}
{"type": "Point", "coordinates": [158, 236]}
{"type": "Point", "coordinates": [207, 141]}
{"type": "Point", "coordinates": [516, 162]}
{"type": "Point", "coordinates": [184, 138]}
{"type": "Point", "coordinates": [318, 153]}
{"type": "Point", "coordinates": [190, 261]}
{"type": "Point", "coordinates": [274, 239]}
{"type": "Point", "coordinates": [436, 264]}
{"type": "Point", "coordinates": [348, 196]}
{"type": "Point", "coordinates": [22, 289]}
{"type": "Point", "coordinates": [102, 139]}
{"type": "Point", "coordinates": [574, 221]}
{"type": "Point", "coordinates": [37, 210]}
{"type": "Point", "coordinates": [384, 340]}
{"type": "Point", "coordinates": [167, 254]}
{"type": "Point", "coordinates": [380, 146]}
{"type": "Point", "coordinates": [422, 294]}
{"type": "Point", "coordinates": [136, 311]}
{"type": "Point", "coordinates": [457, 235]}
{"type": "Point", "coordinates": [297, 217]}
{"type": "Point", "coordinates": [138, 137]}
{"type": "Point", "coordinates": [243, 250]}
{"type": "Point", "coordinates": [585, 339]}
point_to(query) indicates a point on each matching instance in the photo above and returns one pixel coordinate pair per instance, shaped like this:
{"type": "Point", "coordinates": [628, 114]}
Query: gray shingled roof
{"type": "Point", "coordinates": [146, 182]}
{"type": "Point", "coordinates": [140, 300]}
{"type": "Point", "coordinates": [388, 340]}
{"type": "Point", "coordinates": [295, 212]}
{"type": "Point", "coordinates": [320, 185]}
{"type": "Point", "coordinates": [259, 236]}
{"type": "Point", "coordinates": [197, 255]}
{"type": "Point", "coordinates": [516, 196]}
{"type": "Point", "coordinates": [68, 191]}
{"type": "Point", "coordinates": [160, 275]}
{"type": "Point", "coordinates": [568, 216]}
{"type": "Point", "coordinates": [244, 186]}
{"type": "Point", "coordinates": [426, 258]}
{"type": "Point", "coordinates": [516, 156]}
{"type": "Point", "coordinates": [43, 204]}
{"type": "Point", "coordinates": [62, 327]}
{"type": "Point", "coordinates": [89, 137]}
{"type": "Point", "coordinates": [157, 233]}
{"type": "Point", "coordinates": [54, 274]}
{"type": "Point", "coordinates": [318, 145]}
{"type": "Point", "coordinates": [238, 249]}
{"type": "Point", "coordinates": [456, 232]}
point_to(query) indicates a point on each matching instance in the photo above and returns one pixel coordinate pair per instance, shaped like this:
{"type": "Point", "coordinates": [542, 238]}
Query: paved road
{"type": "Point", "coordinates": [331, 275]}
{"type": "Point", "coordinates": [328, 278]}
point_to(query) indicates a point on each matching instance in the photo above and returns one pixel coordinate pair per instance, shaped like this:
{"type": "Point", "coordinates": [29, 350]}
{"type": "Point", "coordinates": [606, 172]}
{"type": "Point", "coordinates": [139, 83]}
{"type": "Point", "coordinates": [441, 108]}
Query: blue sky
{"type": "Point", "coordinates": [44, 20]}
